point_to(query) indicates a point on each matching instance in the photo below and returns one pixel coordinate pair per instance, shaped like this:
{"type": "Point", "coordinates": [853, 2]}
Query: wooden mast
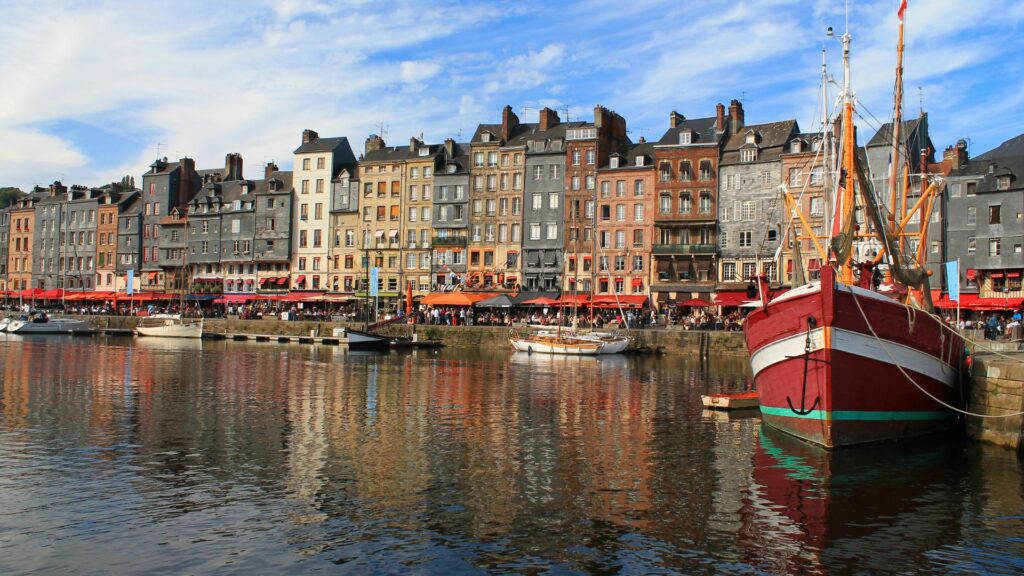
{"type": "Point", "coordinates": [895, 162]}
{"type": "Point", "coordinates": [848, 151]}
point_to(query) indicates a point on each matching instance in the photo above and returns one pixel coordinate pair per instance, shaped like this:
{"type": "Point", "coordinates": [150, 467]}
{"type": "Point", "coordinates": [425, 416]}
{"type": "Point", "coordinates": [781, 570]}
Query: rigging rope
{"type": "Point", "coordinates": [871, 328]}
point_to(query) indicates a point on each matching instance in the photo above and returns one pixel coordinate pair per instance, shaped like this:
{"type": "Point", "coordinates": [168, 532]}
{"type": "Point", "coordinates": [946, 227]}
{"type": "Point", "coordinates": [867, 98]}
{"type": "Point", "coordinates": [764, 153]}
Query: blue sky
{"type": "Point", "coordinates": [92, 89]}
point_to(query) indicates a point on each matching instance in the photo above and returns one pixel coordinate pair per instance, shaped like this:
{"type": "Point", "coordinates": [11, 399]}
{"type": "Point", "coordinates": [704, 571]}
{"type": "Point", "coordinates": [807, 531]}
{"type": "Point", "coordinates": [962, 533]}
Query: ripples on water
{"type": "Point", "coordinates": [185, 457]}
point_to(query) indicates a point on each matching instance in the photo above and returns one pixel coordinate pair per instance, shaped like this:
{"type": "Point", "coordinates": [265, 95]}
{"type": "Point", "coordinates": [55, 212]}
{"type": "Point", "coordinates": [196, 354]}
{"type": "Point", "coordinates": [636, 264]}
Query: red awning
{"type": "Point", "coordinates": [813, 265]}
{"type": "Point", "coordinates": [151, 276]}
{"type": "Point", "coordinates": [971, 273]}
{"type": "Point", "coordinates": [623, 300]}
{"type": "Point", "coordinates": [282, 280]}
{"type": "Point", "coordinates": [542, 301]}
{"type": "Point", "coordinates": [638, 282]}
{"type": "Point", "coordinates": [573, 300]}
{"type": "Point", "coordinates": [996, 304]}
{"type": "Point", "coordinates": [997, 274]}
{"type": "Point", "coordinates": [1013, 274]}
{"type": "Point", "coordinates": [300, 279]}
{"type": "Point", "coordinates": [789, 267]}
{"type": "Point", "coordinates": [731, 298]}
{"type": "Point", "coordinates": [695, 302]}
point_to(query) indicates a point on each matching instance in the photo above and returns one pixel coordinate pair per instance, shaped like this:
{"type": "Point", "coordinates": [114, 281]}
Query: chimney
{"type": "Point", "coordinates": [269, 169]}
{"type": "Point", "coordinates": [509, 121]}
{"type": "Point", "coordinates": [233, 166]}
{"type": "Point", "coordinates": [187, 188]}
{"type": "Point", "coordinates": [642, 140]}
{"type": "Point", "coordinates": [719, 118]}
{"type": "Point", "coordinates": [374, 142]}
{"type": "Point", "coordinates": [309, 136]}
{"type": "Point", "coordinates": [735, 117]}
{"type": "Point", "coordinates": [449, 147]}
{"type": "Point", "coordinates": [674, 119]}
{"type": "Point", "coordinates": [548, 119]}
{"type": "Point", "coordinates": [57, 188]}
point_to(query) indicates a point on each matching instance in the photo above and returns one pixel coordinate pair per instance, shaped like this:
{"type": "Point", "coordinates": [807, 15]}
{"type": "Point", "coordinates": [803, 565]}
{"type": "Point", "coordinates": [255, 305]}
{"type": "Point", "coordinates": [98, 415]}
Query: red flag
{"type": "Point", "coordinates": [903, 8]}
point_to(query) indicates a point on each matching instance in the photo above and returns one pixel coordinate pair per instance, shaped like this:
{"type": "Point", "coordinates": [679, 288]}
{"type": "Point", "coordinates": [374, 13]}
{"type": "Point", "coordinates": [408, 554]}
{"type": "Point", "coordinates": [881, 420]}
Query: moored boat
{"type": "Point", "coordinates": [555, 344]}
{"type": "Point", "coordinates": [42, 323]}
{"type": "Point", "coordinates": [730, 400]}
{"type": "Point", "coordinates": [170, 326]}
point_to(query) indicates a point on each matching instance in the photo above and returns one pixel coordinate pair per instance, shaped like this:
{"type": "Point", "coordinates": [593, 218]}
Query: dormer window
{"type": "Point", "coordinates": [1003, 183]}
{"type": "Point", "coordinates": [796, 146]}
{"type": "Point", "coordinates": [451, 168]}
{"type": "Point", "coordinates": [640, 160]}
{"type": "Point", "coordinates": [751, 138]}
{"type": "Point", "coordinates": [748, 154]}
{"type": "Point", "coordinates": [485, 137]}
{"type": "Point", "coordinates": [685, 137]}
{"type": "Point", "coordinates": [424, 151]}
{"type": "Point", "coordinates": [613, 162]}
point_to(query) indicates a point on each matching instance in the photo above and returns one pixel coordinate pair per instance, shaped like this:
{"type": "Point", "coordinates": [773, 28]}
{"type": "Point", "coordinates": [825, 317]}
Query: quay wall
{"type": "Point", "coordinates": [997, 390]}
{"type": "Point", "coordinates": [662, 340]}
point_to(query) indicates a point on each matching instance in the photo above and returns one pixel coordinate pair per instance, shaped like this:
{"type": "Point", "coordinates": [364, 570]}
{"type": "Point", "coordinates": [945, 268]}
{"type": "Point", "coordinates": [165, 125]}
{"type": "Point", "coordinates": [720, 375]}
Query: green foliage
{"type": "Point", "coordinates": [7, 195]}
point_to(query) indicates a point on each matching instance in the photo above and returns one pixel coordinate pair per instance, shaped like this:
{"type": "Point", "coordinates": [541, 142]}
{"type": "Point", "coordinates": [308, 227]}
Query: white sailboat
{"type": "Point", "coordinates": [170, 326]}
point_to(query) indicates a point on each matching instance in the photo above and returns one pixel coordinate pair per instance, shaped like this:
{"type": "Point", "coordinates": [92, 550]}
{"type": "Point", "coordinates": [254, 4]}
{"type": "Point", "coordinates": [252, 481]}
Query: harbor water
{"type": "Point", "coordinates": [126, 456]}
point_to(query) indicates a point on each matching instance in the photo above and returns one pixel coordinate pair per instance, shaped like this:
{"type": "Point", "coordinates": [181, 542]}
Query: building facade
{"type": "Point", "coordinates": [803, 172]}
{"type": "Point", "coordinates": [542, 232]}
{"type": "Point", "coordinates": [450, 218]}
{"type": "Point", "coordinates": [275, 198]}
{"type": "Point", "coordinates": [685, 244]}
{"type": "Point", "coordinates": [165, 186]}
{"type": "Point", "coordinates": [625, 225]}
{"type": "Point", "coordinates": [317, 160]}
{"type": "Point", "coordinates": [752, 212]}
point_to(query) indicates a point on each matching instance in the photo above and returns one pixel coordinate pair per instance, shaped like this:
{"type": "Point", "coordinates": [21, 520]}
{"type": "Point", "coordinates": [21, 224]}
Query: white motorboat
{"type": "Point", "coordinates": [4, 322]}
{"type": "Point", "coordinates": [548, 343]}
{"type": "Point", "coordinates": [610, 343]}
{"type": "Point", "coordinates": [170, 326]}
{"type": "Point", "coordinates": [41, 323]}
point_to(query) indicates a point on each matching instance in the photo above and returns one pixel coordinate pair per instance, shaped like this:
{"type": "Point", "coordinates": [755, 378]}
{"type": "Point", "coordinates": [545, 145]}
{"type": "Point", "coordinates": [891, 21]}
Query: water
{"type": "Point", "coordinates": [122, 456]}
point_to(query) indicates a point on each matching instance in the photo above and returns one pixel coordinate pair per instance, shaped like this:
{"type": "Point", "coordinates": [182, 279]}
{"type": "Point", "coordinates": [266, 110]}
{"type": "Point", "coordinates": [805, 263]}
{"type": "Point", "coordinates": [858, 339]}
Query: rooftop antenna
{"type": "Point", "coordinates": [920, 99]}
{"type": "Point", "coordinates": [743, 96]}
{"type": "Point", "coordinates": [158, 146]}
{"type": "Point", "coordinates": [567, 117]}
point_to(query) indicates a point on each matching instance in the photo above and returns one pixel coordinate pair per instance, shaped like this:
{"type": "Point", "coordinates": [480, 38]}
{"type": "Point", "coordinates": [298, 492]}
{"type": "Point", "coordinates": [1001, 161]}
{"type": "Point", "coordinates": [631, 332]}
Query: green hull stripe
{"type": "Point", "coordinates": [854, 414]}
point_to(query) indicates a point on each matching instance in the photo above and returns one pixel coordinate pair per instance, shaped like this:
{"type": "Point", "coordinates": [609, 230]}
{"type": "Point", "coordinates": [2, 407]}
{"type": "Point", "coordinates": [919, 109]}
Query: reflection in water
{"type": "Point", "coordinates": [132, 455]}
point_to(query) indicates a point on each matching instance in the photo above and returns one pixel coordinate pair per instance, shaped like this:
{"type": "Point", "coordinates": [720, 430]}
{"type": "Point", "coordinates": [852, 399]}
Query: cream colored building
{"type": "Point", "coordinates": [317, 160]}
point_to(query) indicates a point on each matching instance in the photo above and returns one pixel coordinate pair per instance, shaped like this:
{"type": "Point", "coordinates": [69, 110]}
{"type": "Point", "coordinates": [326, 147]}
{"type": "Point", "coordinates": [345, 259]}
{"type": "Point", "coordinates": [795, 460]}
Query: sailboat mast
{"type": "Point", "coordinates": [826, 144]}
{"type": "Point", "coordinates": [895, 162]}
{"type": "Point", "coordinates": [848, 152]}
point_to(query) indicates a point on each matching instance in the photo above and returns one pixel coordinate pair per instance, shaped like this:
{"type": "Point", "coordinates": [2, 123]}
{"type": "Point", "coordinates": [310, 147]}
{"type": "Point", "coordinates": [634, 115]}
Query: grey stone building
{"type": "Point", "coordinates": [345, 230]}
{"type": "Point", "coordinates": [65, 239]}
{"type": "Point", "coordinates": [916, 154]}
{"type": "Point", "coordinates": [984, 200]}
{"type": "Point", "coordinates": [751, 215]}
{"type": "Point", "coordinates": [129, 241]}
{"type": "Point", "coordinates": [165, 186]}
{"type": "Point", "coordinates": [544, 212]}
{"type": "Point", "coordinates": [450, 216]}
{"type": "Point", "coordinates": [272, 239]}
{"type": "Point", "coordinates": [5, 234]}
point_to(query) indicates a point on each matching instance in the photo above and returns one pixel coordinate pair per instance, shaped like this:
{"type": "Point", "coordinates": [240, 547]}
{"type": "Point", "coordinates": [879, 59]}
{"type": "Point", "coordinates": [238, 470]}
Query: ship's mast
{"type": "Point", "coordinates": [845, 202]}
{"type": "Point", "coordinates": [895, 158]}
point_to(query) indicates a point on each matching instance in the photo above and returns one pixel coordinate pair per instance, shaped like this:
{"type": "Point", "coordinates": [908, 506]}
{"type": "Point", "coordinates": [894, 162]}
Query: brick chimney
{"type": "Point", "coordinates": [675, 119]}
{"type": "Point", "coordinates": [548, 119]}
{"type": "Point", "coordinates": [956, 156]}
{"type": "Point", "coordinates": [449, 147]}
{"type": "Point", "coordinates": [57, 188]}
{"type": "Point", "coordinates": [233, 166]}
{"type": "Point", "coordinates": [509, 121]}
{"type": "Point", "coordinates": [187, 187]}
{"type": "Point", "coordinates": [269, 169]}
{"type": "Point", "coordinates": [719, 118]}
{"type": "Point", "coordinates": [309, 136]}
{"type": "Point", "coordinates": [735, 117]}
{"type": "Point", "coordinates": [374, 142]}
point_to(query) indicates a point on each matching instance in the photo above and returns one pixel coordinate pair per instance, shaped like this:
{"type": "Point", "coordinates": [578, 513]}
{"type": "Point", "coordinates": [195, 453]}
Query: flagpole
{"type": "Point", "coordinates": [957, 280]}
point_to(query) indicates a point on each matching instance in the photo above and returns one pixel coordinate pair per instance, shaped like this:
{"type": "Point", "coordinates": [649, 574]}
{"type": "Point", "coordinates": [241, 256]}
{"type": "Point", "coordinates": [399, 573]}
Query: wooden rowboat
{"type": "Point", "coordinates": [730, 401]}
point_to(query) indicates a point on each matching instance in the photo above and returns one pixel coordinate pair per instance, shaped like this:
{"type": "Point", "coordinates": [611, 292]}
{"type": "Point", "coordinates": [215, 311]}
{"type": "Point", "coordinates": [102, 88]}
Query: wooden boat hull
{"type": "Point", "coordinates": [358, 340]}
{"type": "Point", "coordinates": [736, 401]}
{"type": "Point", "coordinates": [172, 329]}
{"type": "Point", "coordinates": [848, 387]}
{"type": "Point", "coordinates": [544, 345]}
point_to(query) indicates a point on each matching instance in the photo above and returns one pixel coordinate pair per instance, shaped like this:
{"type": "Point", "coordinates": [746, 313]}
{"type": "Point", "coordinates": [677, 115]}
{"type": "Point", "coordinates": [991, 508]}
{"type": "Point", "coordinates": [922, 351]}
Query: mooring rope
{"type": "Point", "coordinates": [910, 378]}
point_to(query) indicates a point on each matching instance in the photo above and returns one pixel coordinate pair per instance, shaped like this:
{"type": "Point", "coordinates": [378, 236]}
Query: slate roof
{"type": "Point", "coordinates": [980, 168]}
{"type": "Point", "coordinates": [323, 145]}
{"type": "Point", "coordinates": [1012, 147]}
{"type": "Point", "coordinates": [884, 135]}
{"type": "Point", "coordinates": [629, 153]}
{"type": "Point", "coordinates": [771, 142]}
{"type": "Point", "coordinates": [401, 153]}
{"type": "Point", "coordinates": [703, 129]}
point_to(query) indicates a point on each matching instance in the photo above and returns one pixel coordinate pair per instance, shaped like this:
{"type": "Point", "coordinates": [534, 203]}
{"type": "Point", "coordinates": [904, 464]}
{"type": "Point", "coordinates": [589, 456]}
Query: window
{"type": "Point", "coordinates": [729, 272]}
{"type": "Point", "coordinates": [748, 154]}
{"type": "Point", "coordinates": [749, 210]}
{"type": "Point", "coordinates": [303, 213]}
{"type": "Point", "coordinates": [993, 214]}
{"type": "Point", "coordinates": [638, 187]}
{"type": "Point", "coordinates": [517, 181]}
{"type": "Point", "coordinates": [590, 181]}
{"type": "Point", "coordinates": [620, 212]}
{"type": "Point", "coordinates": [538, 172]}
{"type": "Point", "coordinates": [620, 238]}
{"type": "Point", "coordinates": [318, 211]}
{"type": "Point", "coordinates": [504, 182]}
{"type": "Point", "coordinates": [478, 159]}
{"type": "Point", "coordinates": [534, 231]}
{"type": "Point", "coordinates": [554, 169]}
{"type": "Point", "coordinates": [492, 158]}
{"type": "Point", "coordinates": [664, 171]}
{"type": "Point", "coordinates": [591, 155]}
{"type": "Point", "coordinates": [972, 215]}
{"type": "Point", "coordinates": [575, 182]}
{"type": "Point", "coordinates": [773, 235]}
{"type": "Point", "coordinates": [817, 208]}
{"type": "Point", "coordinates": [319, 185]}
{"type": "Point", "coordinates": [620, 188]}
{"type": "Point", "coordinates": [638, 212]}
{"type": "Point", "coordinates": [745, 239]}
{"type": "Point", "coordinates": [749, 269]}
{"type": "Point", "coordinates": [665, 204]}
{"type": "Point", "coordinates": [994, 247]}
{"type": "Point", "coordinates": [972, 188]}
{"type": "Point", "coordinates": [305, 185]}
{"type": "Point", "coordinates": [553, 200]}
{"type": "Point", "coordinates": [516, 233]}
{"type": "Point", "coordinates": [575, 157]}
{"type": "Point", "coordinates": [705, 202]}
{"type": "Point", "coordinates": [684, 203]}
{"type": "Point", "coordinates": [730, 182]}
{"type": "Point", "coordinates": [305, 163]}
{"type": "Point", "coordinates": [552, 231]}
{"type": "Point", "coordinates": [606, 189]}
{"type": "Point", "coordinates": [972, 245]}
{"type": "Point", "coordinates": [1003, 183]}
{"type": "Point", "coordinates": [538, 201]}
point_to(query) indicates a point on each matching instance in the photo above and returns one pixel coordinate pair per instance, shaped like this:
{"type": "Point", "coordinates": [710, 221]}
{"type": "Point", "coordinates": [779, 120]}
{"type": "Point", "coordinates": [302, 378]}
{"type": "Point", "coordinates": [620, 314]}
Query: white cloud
{"type": "Point", "coordinates": [412, 71]}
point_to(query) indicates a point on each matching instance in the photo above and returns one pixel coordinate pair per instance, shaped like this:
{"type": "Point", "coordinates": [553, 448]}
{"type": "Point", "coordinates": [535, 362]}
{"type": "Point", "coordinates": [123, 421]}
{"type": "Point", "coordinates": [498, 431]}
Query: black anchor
{"type": "Point", "coordinates": [803, 411]}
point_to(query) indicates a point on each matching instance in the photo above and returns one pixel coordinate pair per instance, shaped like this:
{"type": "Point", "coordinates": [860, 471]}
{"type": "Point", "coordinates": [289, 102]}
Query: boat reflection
{"type": "Point", "coordinates": [880, 508]}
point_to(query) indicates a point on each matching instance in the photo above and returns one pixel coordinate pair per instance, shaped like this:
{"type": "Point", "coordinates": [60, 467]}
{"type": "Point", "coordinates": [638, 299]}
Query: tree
{"type": "Point", "coordinates": [8, 194]}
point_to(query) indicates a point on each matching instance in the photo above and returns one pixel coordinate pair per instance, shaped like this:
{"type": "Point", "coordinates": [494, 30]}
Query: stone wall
{"type": "Point", "coordinates": [997, 389]}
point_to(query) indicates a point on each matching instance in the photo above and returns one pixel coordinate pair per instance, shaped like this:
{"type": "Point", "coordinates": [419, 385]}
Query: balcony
{"type": "Point", "coordinates": [683, 249]}
{"type": "Point", "coordinates": [438, 241]}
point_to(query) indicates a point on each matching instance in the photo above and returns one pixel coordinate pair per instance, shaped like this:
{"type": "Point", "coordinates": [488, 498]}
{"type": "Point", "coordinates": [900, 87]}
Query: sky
{"type": "Point", "coordinates": [92, 91]}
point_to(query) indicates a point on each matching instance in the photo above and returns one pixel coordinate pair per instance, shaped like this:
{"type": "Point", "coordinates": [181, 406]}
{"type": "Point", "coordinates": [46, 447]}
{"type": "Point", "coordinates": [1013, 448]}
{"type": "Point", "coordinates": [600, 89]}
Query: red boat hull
{"type": "Point", "coordinates": [840, 366]}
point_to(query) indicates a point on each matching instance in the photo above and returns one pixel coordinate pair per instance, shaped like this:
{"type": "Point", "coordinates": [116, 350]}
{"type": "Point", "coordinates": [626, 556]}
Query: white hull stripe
{"type": "Point", "coordinates": [863, 345]}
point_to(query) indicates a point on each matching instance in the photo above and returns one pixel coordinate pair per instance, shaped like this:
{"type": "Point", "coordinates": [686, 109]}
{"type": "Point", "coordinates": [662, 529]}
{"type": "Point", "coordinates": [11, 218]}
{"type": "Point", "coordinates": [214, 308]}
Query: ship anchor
{"type": "Point", "coordinates": [803, 411]}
